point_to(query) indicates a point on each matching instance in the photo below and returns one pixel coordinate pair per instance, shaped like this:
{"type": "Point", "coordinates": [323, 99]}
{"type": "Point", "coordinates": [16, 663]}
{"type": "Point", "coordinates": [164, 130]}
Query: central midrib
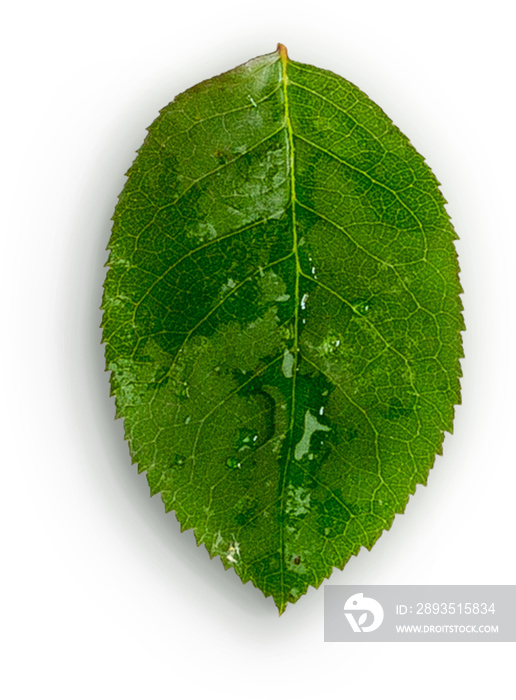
{"type": "Point", "coordinates": [290, 164]}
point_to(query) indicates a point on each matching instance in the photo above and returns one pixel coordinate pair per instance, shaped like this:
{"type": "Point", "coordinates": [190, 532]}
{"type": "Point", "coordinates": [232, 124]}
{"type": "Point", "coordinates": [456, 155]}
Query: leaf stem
{"type": "Point", "coordinates": [282, 50]}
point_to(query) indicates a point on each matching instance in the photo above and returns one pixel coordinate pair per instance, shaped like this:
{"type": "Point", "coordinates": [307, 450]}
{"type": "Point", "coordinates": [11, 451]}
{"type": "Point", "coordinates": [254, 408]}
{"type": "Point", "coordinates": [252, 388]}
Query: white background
{"type": "Point", "coordinates": [102, 595]}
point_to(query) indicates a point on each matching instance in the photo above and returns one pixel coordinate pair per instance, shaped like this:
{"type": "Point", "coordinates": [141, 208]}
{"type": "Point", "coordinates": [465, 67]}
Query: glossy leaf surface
{"type": "Point", "coordinates": [282, 319]}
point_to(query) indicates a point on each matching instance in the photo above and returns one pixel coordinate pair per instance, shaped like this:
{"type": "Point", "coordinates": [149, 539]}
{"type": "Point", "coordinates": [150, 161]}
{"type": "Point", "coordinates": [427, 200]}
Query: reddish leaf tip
{"type": "Point", "coordinates": [282, 50]}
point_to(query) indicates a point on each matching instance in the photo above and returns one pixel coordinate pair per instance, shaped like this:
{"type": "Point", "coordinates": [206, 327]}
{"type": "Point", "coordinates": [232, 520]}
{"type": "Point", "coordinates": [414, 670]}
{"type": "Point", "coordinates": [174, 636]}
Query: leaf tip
{"type": "Point", "coordinates": [281, 606]}
{"type": "Point", "coordinates": [282, 50]}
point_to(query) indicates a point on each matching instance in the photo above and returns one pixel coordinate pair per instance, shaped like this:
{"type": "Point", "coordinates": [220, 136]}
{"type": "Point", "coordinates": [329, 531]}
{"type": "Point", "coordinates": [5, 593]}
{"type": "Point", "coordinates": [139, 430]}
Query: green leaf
{"type": "Point", "coordinates": [282, 319]}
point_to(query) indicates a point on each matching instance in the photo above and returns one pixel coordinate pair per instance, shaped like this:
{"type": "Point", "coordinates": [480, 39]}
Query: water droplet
{"type": "Point", "coordinates": [362, 308]}
{"type": "Point", "coordinates": [298, 501]}
{"type": "Point", "coordinates": [330, 344]}
{"type": "Point", "coordinates": [184, 390]}
{"type": "Point", "coordinates": [233, 463]}
{"type": "Point", "coordinates": [311, 426]}
{"type": "Point", "coordinates": [246, 439]}
{"type": "Point", "coordinates": [303, 301]}
{"type": "Point", "coordinates": [188, 419]}
{"type": "Point", "coordinates": [288, 363]}
{"type": "Point", "coordinates": [321, 410]}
